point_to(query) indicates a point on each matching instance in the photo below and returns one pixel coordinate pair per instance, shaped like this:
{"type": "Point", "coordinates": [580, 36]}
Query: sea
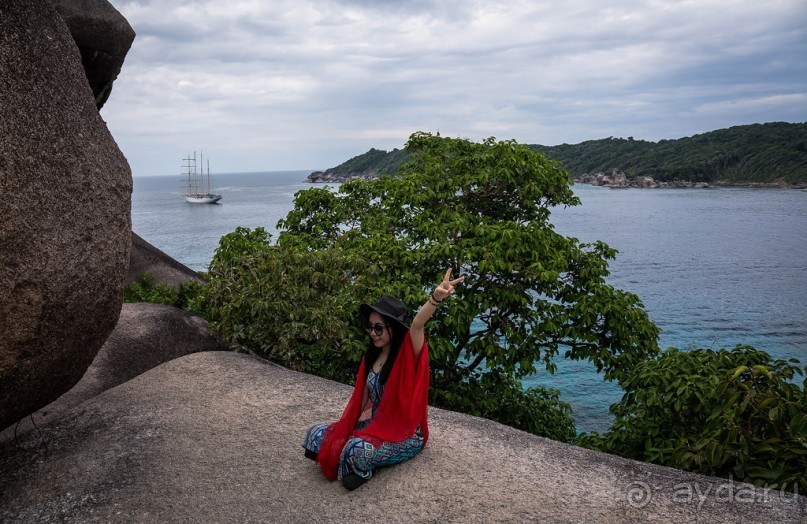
{"type": "Point", "coordinates": [714, 267]}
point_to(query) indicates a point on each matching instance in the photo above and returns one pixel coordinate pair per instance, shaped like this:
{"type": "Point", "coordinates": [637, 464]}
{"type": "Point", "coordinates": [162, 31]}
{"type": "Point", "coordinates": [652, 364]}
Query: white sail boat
{"type": "Point", "coordinates": [199, 190]}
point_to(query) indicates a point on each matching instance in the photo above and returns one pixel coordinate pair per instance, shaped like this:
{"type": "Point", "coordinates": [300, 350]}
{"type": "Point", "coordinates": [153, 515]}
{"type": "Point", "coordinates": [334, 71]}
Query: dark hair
{"type": "Point", "coordinates": [371, 355]}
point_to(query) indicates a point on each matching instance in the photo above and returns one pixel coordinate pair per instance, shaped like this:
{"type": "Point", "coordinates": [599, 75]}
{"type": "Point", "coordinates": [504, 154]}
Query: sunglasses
{"type": "Point", "coordinates": [377, 328]}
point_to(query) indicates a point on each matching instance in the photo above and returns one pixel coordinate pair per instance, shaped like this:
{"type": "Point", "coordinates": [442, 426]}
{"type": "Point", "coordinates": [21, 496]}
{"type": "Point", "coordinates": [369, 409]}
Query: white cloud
{"type": "Point", "coordinates": [753, 106]}
{"type": "Point", "coordinates": [296, 84]}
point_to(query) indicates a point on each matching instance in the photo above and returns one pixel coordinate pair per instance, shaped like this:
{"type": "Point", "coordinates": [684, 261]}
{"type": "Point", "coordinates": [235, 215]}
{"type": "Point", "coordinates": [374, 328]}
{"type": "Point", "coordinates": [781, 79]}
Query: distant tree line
{"type": "Point", "coordinates": [772, 152]}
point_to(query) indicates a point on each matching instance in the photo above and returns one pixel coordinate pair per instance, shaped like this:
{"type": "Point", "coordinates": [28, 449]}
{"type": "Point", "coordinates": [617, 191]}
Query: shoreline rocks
{"type": "Point", "coordinates": [323, 177]}
{"type": "Point", "coordinates": [618, 180]}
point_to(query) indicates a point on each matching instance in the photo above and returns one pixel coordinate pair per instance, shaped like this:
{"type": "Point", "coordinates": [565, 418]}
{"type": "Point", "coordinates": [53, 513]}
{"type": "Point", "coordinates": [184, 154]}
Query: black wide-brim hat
{"type": "Point", "coordinates": [390, 307]}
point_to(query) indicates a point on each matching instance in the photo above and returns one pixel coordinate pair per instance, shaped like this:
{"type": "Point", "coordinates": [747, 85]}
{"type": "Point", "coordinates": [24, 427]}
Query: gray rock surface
{"type": "Point", "coordinates": [146, 336]}
{"type": "Point", "coordinates": [103, 37]}
{"type": "Point", "coordinates": [145, 258]}
{"type": "Point", "coordinates": [65, 213]}
{"type": "Point", "coordinates": [215, 437]}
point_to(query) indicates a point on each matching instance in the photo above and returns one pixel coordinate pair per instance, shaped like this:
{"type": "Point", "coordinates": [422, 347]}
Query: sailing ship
{"type": "Point", "coordinates": [199, 185]}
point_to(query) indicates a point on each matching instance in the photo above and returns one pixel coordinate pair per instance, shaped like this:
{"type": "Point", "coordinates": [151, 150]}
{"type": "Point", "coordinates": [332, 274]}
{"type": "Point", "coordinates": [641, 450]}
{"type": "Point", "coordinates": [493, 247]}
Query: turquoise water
{"type": "Point", "coordinates": [714, 268]}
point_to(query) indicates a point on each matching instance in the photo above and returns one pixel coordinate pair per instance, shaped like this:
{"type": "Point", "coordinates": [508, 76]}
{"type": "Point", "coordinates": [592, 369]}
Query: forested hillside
{"type": "Point", "coordinates": [371, 164]}
{"type": "Point", "coordinates": [753, 153]}
{"type": "Point", "coordinates": [757, 153]}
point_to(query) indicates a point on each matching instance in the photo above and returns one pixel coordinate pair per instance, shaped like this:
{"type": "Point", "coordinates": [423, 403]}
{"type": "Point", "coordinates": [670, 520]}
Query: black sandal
{"type": "Point", "coordinates": [353, 481]}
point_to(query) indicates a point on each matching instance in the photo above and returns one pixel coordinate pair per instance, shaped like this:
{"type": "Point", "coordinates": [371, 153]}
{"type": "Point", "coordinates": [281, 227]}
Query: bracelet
{"type": "Point", "coordinates": [432, 297]}
{"type": "Point", "coordinates": [433, 303]}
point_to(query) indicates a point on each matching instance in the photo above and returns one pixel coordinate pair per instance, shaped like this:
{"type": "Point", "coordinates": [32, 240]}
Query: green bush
{"type": "Point", "coordinates": [148, 290]}
{"type": "Point", "coordinates": [297, 308]}
{"type": "Point", "coordinates": [728, 413]}
{"type": "Point", "coordinates": [495, 395]}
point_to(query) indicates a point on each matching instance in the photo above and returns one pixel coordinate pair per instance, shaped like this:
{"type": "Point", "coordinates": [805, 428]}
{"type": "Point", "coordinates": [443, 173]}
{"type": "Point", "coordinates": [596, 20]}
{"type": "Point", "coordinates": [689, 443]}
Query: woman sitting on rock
{"type": "Point", "coordinates": [384, 422]}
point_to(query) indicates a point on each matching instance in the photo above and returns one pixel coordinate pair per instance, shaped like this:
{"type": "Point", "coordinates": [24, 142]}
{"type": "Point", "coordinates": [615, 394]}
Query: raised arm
{"type": "Point", "coordinates": [440, 293]}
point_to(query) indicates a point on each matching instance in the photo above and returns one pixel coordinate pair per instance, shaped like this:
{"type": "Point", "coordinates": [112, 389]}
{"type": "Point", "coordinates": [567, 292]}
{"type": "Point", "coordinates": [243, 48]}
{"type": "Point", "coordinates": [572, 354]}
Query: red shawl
{"type": "Point", "coordinates": [402, 409]}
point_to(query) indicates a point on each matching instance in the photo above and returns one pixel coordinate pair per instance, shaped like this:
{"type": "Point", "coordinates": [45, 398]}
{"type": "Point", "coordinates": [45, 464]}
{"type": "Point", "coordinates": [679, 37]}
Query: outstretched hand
{"type": "Point", "coordinates": [440, 293]}
{"type": "Point", "coordinates": [446, 287]}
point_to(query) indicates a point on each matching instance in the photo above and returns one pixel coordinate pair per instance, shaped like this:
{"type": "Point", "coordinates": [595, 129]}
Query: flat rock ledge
{"type": "Point", "coordinates": [215, 437]}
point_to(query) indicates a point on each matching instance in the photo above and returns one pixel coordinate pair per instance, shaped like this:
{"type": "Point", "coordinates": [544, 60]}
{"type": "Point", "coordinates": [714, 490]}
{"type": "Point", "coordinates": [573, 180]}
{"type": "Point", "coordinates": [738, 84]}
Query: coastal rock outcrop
{"type": "Point", "coordinates": [215, 437]}
{"type": "Point", "coordinates": [614, 179]}
{"type": "Point", "coordinates": [65, 208]}
{"type": "Point", "coordinates": [145, 258]}
{"type": "Point", "coordinates": [618, 179]}
{"type": "Point", "coordinates": [319, 177]}
{"type": "Point", "coordinates": [103, 37]}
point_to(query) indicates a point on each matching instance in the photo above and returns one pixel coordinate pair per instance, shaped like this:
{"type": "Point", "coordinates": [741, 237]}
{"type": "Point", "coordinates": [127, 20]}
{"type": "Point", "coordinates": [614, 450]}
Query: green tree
{"type": "Point", "coordinates": [290, 306]}
{"type": "Point", "coordinates": [530, 295]}
{"type": "Point", "coordinates": [723, 413]}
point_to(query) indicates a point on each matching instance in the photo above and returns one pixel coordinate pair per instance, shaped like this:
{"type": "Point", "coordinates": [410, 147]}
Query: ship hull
{"type": "Point", "coordinates": [202, 199]}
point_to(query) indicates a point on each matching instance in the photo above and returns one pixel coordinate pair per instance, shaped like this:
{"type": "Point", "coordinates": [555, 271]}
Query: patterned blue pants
{"type": "Point", "coordinates": [361, 457]}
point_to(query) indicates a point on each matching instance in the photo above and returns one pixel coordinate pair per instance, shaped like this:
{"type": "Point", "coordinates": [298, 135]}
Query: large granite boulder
{"type": "Point", "coordinates": [64, 213]}
{"type": "Point", "coordinates": [215, 437]}
{"type": "Point", "coordinates": [103, 37]}
{"type": "Point", "coordinates": [145, 258]}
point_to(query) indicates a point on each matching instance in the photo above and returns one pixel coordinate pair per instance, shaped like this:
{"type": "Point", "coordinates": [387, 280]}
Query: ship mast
{"type": "Point", "coordinates": [190, 166]}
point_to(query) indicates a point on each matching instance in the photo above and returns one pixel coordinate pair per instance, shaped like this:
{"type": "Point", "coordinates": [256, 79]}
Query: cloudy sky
{"type": "Point", "coordinates": [305, 84]}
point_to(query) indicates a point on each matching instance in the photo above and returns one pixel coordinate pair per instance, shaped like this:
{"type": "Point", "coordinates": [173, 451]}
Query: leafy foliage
{"type": "Point", "coordinates": [287, 305]}
{"type": "Point", "coordinates": [530, 295]}
{"type": "Point", "coordinates": [148, 290]}
{"type": "Point", "coordinates": [723, 413]}
{"type": "Point", "coordinates": [500, 397]}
